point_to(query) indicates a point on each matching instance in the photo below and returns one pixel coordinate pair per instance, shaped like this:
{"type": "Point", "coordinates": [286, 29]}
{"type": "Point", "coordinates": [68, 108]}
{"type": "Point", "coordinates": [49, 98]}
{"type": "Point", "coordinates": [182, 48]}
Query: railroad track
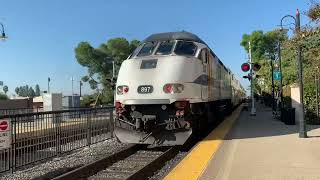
{"type": "Point", "coordinates": [133, 162]}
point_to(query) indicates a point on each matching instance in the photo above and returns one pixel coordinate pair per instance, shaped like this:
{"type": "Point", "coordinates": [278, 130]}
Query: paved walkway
{"type": "Point", "coordinates": [260, 148]}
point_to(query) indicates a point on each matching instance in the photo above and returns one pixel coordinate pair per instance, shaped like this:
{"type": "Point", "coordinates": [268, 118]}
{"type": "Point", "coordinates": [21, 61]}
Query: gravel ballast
{"type": "Point", "coordinates": [168, 167]}
{"type": "Point", "coordinates": [68, 162]}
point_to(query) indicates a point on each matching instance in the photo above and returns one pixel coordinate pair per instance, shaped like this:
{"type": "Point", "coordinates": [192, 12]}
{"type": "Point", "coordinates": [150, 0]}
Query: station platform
{"type": "Point", "coordinates": [245, 147]}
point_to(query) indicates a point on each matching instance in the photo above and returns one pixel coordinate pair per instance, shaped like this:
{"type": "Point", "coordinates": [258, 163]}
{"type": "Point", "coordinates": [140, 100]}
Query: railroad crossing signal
{"type": "Point", "coordinates": [247, 77]}
{"type": "Point", "coordinates": [245, 67]}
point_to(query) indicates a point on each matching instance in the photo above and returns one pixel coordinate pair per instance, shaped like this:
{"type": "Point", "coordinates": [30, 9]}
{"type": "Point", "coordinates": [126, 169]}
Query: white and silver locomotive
{"type": "Point", "coordinates": [170, 87]}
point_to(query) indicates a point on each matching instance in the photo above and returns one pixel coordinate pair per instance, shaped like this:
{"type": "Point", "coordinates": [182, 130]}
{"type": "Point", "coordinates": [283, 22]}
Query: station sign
{"type": "Point", "coordinates": [5, 134]}
{"type": "Point", "coordinates": [276, 75]}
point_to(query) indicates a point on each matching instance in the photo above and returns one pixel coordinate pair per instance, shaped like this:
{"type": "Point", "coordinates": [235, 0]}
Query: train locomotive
{"type": "Point", "coordinates": [171, 87]}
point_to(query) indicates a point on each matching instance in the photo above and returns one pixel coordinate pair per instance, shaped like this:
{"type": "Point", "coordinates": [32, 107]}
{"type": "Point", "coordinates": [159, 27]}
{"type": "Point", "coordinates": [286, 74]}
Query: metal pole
{"type": "Point", "coordinates": [317, 90]}
{"type": "Point", "coordinates": [272, 84]}
{"type": "Point", "coordinates": [317, 104]}
{"type": "Point", "coordinates": [48, 84]}
{"type": "Point", "coordinates": [80, 87]}
{"type": "Point", "coordinates": [114, 91]}
{"type": "Point", "coordinates": [280, 69]}
{"type": "Point", "coordinates": [253, 109]}
{"type": "Point", "coordinates": [302, 124]}
{"type": "Point", "coordinates": [72, 91]}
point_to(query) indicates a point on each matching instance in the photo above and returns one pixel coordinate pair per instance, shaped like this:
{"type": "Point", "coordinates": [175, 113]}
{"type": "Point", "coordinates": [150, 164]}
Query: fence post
{"type": "Point", "coordinates": [89, 113]}
{"type": "Point", "coordinates": [12, 155]}
{"type": "Point", "coordinates": [56, 120]}
{"type": "Point", "coordinates": [111, 127]}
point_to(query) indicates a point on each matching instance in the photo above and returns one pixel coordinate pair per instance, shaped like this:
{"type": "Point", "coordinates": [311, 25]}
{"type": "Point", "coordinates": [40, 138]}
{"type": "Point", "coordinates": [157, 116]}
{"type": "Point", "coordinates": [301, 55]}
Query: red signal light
{"type": "Point", "coordinates": [245, 67]}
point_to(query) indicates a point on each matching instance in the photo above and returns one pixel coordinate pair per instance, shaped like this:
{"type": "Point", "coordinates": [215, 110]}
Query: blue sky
{"type": "Point", "coordinates": [43, 34]}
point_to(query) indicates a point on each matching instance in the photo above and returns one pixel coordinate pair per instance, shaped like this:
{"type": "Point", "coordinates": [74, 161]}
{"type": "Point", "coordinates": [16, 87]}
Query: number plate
{"type": "Point", "coordinates": [145, 89]}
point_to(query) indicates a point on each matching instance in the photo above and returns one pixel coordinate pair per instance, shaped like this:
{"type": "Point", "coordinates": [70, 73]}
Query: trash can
{"type": "Point", "coordinates": [289, 116]}
{"type": "Point", "coordinates": [283, 114]}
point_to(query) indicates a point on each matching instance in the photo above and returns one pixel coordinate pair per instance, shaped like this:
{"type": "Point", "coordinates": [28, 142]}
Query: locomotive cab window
{"type": "Point", "coordinates": [203, 56]}
{"type": "Point", "coordinates": [185, 48]}
{"type": "Point", "coordinates": [147, 49]}
{"type": "Point", "coordinates": [165, 48]}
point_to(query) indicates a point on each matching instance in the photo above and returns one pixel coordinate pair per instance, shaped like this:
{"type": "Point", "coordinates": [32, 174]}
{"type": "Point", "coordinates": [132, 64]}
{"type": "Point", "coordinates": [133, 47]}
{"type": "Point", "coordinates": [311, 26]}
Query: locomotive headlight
{"type": "Point", "coordinates": [122, 90]}
{"type": "Point", "coordinates": [119, 90]}
{"type": "Point", "coordinates": [173, 88]}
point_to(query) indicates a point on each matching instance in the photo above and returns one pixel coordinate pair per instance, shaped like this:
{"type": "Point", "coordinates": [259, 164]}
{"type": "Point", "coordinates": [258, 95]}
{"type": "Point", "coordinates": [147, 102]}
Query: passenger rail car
{"type": "Point", "coordinates": [170, 87]}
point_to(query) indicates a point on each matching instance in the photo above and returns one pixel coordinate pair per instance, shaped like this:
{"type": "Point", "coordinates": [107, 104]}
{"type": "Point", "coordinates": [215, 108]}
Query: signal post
{"type": "Point", "coordinates": [252, 67]}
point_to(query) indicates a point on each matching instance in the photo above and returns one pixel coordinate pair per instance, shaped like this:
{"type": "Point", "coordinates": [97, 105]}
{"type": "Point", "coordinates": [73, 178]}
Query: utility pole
{"type": "Point", "coordinates": [253, 109]}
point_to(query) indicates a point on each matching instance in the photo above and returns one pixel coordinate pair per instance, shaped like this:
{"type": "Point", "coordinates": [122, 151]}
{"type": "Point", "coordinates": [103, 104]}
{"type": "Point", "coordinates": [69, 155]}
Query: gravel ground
{"type": "Point", "coordinates": [169, 165]}
{"type": "Point", "coordinates": [68, 162]}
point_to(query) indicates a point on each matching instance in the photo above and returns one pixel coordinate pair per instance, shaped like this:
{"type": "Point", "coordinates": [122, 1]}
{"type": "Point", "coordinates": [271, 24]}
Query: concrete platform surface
{"type": "Point", "coordinates": [261, 148]}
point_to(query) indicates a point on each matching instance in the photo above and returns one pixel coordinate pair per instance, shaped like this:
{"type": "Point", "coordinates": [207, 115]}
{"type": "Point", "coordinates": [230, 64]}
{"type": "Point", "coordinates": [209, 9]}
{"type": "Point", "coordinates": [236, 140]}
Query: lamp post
{"type": "Point", "coordinates": [280, 69]}
{"type": "Point", "coordinates": [3, 34]}
{"type": "Point", "coordinates": [302, 123]}
{"type": "Point", "coordinates": [272, 83]}
{"type": "Point", "coordinates": [49, 84]}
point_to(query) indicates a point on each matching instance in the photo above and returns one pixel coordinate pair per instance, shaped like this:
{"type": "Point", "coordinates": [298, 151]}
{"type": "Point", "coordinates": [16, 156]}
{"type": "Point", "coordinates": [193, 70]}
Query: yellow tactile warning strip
{"type": "Point", "coordinates": [192, 166]}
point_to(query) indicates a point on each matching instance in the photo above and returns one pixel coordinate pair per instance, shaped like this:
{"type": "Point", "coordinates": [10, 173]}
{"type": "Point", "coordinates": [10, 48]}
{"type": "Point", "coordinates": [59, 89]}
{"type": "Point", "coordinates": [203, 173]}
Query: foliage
{"type": "Point", "coordinates": [25, 91]}
{"type": "Point", "coordinates": [106, 97]}
{"type": "Point", "coordinates": [37, 89]}
{"type": "Point", "coordinates": [5, 89]}
{"type": "Point", "coordinates": [314, 11]}
{"type": "Point", "coordinates": [98, 62]}
{"type": "Point", "coordinates": [264, 47]}
{"type": "Point", "coordinates": [3, 96]}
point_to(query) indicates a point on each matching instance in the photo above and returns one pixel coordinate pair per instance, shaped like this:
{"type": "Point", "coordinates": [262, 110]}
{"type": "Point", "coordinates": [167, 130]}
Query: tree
{"type": "Point", "coordinates": [264, 49]}
{"type": "Point", "coordinates": [17, 89]}
{"type": "Point", "coordinates": [27, 91]}
{"type": "Point", "coordinates": [314, 12]}
{"type": "Point", "coordinates": [3, 96]}
{"type": "Point", "coordinates": [98, 61]}
{"type": "Point", "coordinates": [5, 89]}
{"type": "Point", "coordinates": [37, 90]}
{"type": "Point", "coordinates": [31, 92]}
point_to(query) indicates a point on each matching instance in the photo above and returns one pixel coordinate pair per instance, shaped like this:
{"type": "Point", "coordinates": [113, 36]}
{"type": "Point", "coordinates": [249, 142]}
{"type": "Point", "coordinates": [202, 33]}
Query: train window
{"type": "Point", "coordinates": [185, 48]}
{"type": "Point", "coordinates": [165, 48]}
{"type": "Point", "coordinates": [147, 49]}
{"type": "Point", "coordinates": [204, 56]}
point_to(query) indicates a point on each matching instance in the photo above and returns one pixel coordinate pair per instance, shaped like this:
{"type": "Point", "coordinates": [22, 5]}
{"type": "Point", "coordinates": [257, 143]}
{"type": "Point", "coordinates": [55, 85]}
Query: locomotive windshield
{"type": "Point", "coordinates": [185, 48]}
{"type": "Point", "coordinates": [147, 49]}
{"type": "Point", "coordinates": [165, 48]}
{"type": "Point", "coordinates": [182, 48]}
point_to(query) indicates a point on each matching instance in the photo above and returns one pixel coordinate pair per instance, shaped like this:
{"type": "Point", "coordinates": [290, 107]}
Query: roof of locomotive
{"type": "Point", "coordinates": [183, 35]}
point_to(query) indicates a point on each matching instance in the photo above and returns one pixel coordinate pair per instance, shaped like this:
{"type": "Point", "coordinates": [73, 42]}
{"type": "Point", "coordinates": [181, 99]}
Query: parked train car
{"type": "Point", "coordinates": [172, 86]}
